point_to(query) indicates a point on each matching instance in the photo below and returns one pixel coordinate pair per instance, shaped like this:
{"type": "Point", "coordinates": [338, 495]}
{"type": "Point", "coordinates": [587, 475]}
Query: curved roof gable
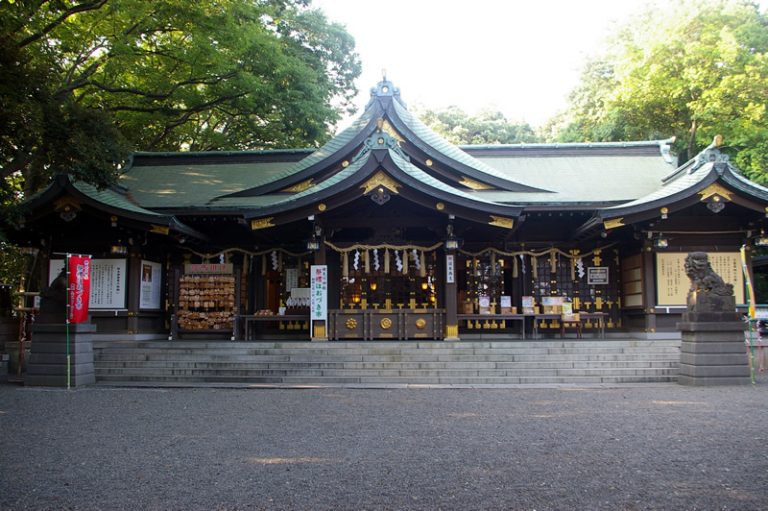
{"type": "Point", "coordinates": [386, 110]}
{"type": "Point", "coordinates": [693, 177]}
{"type": "Point", "coordinates": [380, 165]}
{"type": "Point", "coordinates": [111, 201]}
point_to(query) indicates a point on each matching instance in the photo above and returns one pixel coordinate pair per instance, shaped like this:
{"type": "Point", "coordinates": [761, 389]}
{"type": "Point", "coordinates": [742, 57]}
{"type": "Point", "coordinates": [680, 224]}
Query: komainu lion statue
{"type": "Point", "coordinates": [704, 280]}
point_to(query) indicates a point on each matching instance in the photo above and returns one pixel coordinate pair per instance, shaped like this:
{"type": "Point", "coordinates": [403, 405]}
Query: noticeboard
{"type": "Point", "coordinates": [672, 284]}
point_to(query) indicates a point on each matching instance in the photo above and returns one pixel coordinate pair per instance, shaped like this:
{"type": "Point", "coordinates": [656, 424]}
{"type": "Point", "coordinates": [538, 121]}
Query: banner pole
{"type": "Point", "coordinates": [67, 327]}
{"type": "Point", "coordinates": [751, 313]}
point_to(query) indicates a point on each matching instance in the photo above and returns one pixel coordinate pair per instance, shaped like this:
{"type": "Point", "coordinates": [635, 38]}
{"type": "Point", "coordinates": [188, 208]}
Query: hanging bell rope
{"type": "Point", "coordinates": [532, 253]}
{"type": "Point", "coordinates": [383, 246]}
{"type": "Point", "coordinates": [229, 251]}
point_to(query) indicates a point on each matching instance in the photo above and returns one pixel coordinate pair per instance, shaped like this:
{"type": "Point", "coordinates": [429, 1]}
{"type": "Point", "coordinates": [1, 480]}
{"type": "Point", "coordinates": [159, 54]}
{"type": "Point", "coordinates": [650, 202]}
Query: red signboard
{"type": "Point", "coordinates": [79, 288]}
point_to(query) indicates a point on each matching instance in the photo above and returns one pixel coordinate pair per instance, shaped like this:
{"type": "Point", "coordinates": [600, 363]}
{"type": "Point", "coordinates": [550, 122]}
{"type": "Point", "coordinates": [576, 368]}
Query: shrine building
{"type": "Point", "coordinates": [388, 231]}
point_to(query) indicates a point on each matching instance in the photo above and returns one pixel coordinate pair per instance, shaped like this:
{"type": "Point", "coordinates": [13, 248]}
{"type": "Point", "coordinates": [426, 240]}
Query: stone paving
{"type": "Point", "coordinates": [635, 447]}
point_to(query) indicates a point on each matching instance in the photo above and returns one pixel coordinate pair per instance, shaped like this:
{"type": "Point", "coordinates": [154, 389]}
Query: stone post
{"type": "Point", "coordinates": [712, 351]}
{"type": "Point", "coordinates": [48, 360]}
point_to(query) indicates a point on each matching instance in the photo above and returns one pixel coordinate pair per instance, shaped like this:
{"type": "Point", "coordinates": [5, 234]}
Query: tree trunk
{"type": "Point", "coordinates": [692, 140]}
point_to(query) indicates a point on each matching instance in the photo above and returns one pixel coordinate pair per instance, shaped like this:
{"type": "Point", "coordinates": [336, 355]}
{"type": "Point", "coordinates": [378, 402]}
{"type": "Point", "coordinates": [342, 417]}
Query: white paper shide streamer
{"type": "Point", "coordinates": [398, 261]}
{"type": "Point", "coordinates": [356, 260]}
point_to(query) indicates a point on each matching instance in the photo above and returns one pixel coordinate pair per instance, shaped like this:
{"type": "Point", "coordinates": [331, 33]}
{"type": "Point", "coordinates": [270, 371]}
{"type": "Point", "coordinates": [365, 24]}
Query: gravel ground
{"type": "Point", "coordinates": [629, 448]}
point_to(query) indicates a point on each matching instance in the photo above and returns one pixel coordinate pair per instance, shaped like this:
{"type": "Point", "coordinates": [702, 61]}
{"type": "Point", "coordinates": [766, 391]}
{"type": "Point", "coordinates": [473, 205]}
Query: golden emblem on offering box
{"type": "Point", "coordinates": [386, 323]}
{"type": "Point", "coordinates": [351, 324]}
{"type": "Point", "coordinates": [421, 323]}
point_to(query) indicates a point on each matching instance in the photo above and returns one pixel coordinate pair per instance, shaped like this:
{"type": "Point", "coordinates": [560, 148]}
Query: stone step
{"type": "Point", "coordinates": [388, 373]}
{"type": "Point", "coordinates": [551, 361]}
{"type": "Point", "coordinates": [425, 351]}
{"type": "Point", "coordinates": [420, 359]}
{"type": "Point", "coordinates": [526, 380]}
{"type": "Point", "coordinates": [260, 365]}
{"type": "Point", "coordinates": [312, 346]}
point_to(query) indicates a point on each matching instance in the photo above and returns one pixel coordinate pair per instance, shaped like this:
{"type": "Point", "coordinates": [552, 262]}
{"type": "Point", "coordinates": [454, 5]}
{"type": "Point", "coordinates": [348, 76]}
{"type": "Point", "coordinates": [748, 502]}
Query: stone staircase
{"type": "Point", "coordinates": [189, 363]}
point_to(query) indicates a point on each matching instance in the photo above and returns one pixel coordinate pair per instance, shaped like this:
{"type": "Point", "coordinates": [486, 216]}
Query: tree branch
{"type": "Point", "coordinates": [164, 95]}
{"type": "Point", "coordinates": [187, 114]}
{"type": "Point", "coordinates": [87, 6]}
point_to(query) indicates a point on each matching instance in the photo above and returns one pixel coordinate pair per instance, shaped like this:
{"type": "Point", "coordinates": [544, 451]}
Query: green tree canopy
{"type": "Point", "coordinates": [693, 69]}
{"type": "Point", "coordinates": [84, 81]}
{"type": "Point", "coordinates": [487, 127]}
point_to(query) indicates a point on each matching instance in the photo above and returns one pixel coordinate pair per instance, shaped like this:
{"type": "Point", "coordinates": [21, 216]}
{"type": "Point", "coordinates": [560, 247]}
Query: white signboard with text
{"type": "Point", "coordinates": [107, 282]}
{"type": "Point", "coordinates": [149, 297]}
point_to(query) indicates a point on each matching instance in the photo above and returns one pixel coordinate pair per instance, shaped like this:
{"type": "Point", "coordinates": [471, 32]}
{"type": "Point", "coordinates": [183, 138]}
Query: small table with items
{"type": "Point", "coordinates": [249, 322]}
{"type": "Point", "coordinates": [486, 318]}
{"type": "Point", "coordinates": [577, 319]}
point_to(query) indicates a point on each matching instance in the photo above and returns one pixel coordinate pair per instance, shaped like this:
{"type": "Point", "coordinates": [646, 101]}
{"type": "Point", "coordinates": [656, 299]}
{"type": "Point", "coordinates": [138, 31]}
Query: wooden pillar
{"type": "Point", "coordinates": [649, 288]}
{"type": "Point", "coordinates": [134, 290]}
{"type": "Point", "coordinates": [451, 313]}
{"type": "Point", "coordinates": [320, 257]}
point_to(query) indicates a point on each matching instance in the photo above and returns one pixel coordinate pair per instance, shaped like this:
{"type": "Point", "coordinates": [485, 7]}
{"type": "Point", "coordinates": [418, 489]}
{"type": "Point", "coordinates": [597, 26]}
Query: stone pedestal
{"type": "Point", "coordinates": [47, 364]}
{"type": "Point", "coordinates": [712, 351]}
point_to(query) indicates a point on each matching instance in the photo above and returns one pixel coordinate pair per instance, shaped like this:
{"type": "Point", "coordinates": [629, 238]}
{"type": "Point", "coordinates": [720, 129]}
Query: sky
{"type": "Point", "coordinates": [519, 57]}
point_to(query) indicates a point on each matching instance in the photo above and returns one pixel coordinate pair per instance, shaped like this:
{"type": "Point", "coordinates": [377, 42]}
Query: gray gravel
{"type": "Point", "coordinates": [640, 447]}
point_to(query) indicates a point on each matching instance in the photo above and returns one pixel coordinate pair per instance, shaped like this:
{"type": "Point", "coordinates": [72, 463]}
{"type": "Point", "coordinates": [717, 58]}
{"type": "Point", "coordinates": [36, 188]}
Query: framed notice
{"type": "Point", "coordinates": [672, 284]}
{"type": "Point", "coordinates": [149, 297]}
{"type": "Point", "coordinates": [107, 282]}
{"type": "Point", "coordinates": [597, 276]}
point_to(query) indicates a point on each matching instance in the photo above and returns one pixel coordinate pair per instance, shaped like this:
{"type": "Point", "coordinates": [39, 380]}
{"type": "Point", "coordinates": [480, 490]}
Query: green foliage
{"type": "Point", "coordinates": [82, 82]}
{"type": "Point", "coordinates": [14, 266]}
{"type": "Point", "coordinates": [487, 127]}
{"type": "Point", "coordinates": [694, 69]}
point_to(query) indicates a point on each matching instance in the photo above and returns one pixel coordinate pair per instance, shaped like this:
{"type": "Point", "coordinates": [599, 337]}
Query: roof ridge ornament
{"type": "Point", "coordinates": [385, 89]}
{"type": "Point", "coordinates": [711, 154]}
{"type": "Point", "coordinates": [380, 139]}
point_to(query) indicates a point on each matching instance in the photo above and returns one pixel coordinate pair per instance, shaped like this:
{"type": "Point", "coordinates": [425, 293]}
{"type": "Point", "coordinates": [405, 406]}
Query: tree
{"type": "Point", "coordinates": [693, 70]}
{"type": "Point", "coordinates": [487, 127]}
{"type": "Point", "coordinates": [82, 82]}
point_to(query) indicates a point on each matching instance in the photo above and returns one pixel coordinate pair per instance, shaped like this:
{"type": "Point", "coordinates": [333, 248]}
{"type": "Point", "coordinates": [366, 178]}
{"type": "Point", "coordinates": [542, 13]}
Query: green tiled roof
{"type": "Point", "coordinates": [179, 186]}
{"type": "Point", "coordinates": [277, 200]}
{"type": "Point", "coordinates": [441, 145]}
{"type": "Point", "coordinates": [333, 145]}
{"type": "Point", "coordinates": [584, 179]}
{"type": "Point", "coordinates": [743, 184]}
{"type": "Point", "coordinates": [113, 199]}
{"type": "Point", "coordinates": [421, 176]}
{"type": "Point", "coordinates": [691, 179]}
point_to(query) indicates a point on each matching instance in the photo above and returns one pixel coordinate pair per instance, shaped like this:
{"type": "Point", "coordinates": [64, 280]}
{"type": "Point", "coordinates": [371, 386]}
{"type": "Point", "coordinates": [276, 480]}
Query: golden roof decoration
{"type": "Point", "coordinates": [500, 221]}
{"type": "Point", "coordinates": [474, 185]}
{"type": "Point", "coordinates": [716, 189]}
{"type": "Point", "coordinates": [380, 179]}
{"type": "Point", "coordinates": [262, 223]}
{"type": "Point", "coordinates": [300, 187]}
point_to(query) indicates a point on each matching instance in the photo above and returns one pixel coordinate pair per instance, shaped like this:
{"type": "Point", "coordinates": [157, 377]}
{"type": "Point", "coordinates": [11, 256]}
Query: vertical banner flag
{"type": "Point", "coordinates": [79, 288]}
{"type": "Point", "coordinates": [319, 292]}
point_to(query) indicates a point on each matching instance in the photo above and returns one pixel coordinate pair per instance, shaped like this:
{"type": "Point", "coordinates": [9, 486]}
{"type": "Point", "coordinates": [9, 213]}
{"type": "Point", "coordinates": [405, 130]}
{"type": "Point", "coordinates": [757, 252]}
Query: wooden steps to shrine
{"type": "Point", "coordinates": [611, 361]}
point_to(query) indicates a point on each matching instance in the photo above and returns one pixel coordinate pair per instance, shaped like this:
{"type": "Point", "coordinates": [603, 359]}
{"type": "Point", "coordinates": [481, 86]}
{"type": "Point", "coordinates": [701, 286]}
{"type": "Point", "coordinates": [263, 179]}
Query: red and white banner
{"type": "Point", "coordinates": [79, 287]}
